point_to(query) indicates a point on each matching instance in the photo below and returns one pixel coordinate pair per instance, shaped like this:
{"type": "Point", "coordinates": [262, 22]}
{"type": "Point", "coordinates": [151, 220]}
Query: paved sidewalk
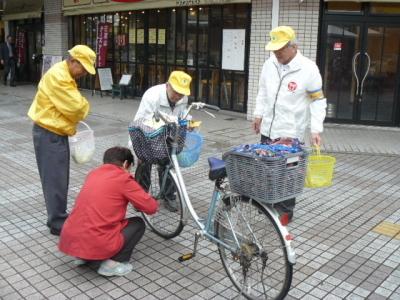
{"type": "Point", "coordinates": [347, 237]}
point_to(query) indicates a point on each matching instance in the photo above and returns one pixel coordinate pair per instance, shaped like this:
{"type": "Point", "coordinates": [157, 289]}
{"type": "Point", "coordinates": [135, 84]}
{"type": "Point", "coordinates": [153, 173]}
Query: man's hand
{"type": "Point", "coordinates": [315, 139]}
{"type": "Point", "coordinates": [2, 61]}
{"type": "Point", "coordinates": [256, 125]}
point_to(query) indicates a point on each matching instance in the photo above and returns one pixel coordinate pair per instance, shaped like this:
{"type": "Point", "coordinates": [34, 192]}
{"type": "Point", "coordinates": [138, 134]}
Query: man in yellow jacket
{"type": "Point", "coordinates": [56, 110]}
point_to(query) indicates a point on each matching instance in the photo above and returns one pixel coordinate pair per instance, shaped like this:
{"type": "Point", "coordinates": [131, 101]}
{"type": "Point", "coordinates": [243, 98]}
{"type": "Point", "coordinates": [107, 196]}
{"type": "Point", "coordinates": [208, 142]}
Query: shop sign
{"type": "Point", "coordinates": [20, 46]}
{"type": "Point", "coordinates": [103, 30]}
{"type": "Point", "coordinates": [76, 2]}
{"type": "Point", "coordinates": [200, 2]}
{"type": "Point", "coordinates": [49, 61]}
{"type": "Point", "coordinates": [337, 46]}
{"type": "Point", "coordinates": [126, 1]}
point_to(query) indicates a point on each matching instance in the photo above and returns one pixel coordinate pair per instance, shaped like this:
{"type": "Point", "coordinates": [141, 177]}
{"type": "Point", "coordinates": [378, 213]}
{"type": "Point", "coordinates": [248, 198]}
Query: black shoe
{"type": "Point", "coordinates": [171, 205]}
{"type": "Point", "coordinates": [55, 231]}
{"type": "Point", "coordinates": [13, 84]}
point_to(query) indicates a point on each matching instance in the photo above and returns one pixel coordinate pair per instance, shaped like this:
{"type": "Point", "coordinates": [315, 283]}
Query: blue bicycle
{"type": "Point", "coordinates": [254, 246]}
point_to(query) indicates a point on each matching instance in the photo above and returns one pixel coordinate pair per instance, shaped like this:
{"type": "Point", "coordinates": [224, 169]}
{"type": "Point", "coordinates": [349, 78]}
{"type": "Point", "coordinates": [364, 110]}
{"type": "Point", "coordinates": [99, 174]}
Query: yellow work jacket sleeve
{"type": "Point", "coordinates": [67, 99]}
{"type": "Point", "coordinates": [58, 105]}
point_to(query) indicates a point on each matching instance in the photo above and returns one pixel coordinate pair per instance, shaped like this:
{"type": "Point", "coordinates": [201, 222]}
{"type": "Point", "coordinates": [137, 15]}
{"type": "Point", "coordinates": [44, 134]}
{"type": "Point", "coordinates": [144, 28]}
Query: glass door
{"type": "Point", "coordinates": [341, 53]}
{"type": "Point", "coordinates": [379, 83]}
{"type": "Point", "coordinates": [361, 72]}
{"type": "Point", "coordinates": [360, 62]}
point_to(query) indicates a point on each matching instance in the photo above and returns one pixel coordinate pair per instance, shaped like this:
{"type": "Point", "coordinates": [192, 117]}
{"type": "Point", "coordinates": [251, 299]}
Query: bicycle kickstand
{"type": "Point", "coordinates": [188, 256]}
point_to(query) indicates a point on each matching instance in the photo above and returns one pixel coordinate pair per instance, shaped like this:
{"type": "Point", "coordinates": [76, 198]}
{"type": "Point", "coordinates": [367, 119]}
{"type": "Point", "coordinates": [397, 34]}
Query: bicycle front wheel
{"type": "Point", "coordinates": [167, 222]}
{"type": "Point", "coordinates": [257, 262]}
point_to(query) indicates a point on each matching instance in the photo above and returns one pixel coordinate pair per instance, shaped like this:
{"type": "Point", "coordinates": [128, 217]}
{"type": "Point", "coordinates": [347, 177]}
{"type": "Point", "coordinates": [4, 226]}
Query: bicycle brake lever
{"type": "Point", "coordinates": [212, 115]}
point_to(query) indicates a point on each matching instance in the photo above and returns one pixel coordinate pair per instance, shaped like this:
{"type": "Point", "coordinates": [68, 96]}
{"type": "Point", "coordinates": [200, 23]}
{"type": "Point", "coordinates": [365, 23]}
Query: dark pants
{"type": "Point", "coordinates": [132, 233]}
{"type": "Point", "coordinates": [286, 206]}
{"type": "Point", "coordinates": [9, 67]}
{"type": "Point", "coordinates": [145, 179]}
{"type": "Point", "coordinates": [52, 157]}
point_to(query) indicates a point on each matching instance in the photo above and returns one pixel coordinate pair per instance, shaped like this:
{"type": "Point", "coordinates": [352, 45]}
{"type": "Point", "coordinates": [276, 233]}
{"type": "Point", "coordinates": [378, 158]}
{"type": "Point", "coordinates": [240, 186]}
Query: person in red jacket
{"type": "Point", "coordinates": [97, 228]}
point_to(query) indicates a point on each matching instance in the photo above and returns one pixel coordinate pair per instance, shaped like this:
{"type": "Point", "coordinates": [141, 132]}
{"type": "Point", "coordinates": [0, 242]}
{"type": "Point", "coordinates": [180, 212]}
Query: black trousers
{"type": "Point", "coordinates": [9, 67]}
{"type": "Point", "coordinates": [286, 206]}
{"type": "Point", "coordinates": [133, 232]}
{"type": "Point", "coordinates": [53, 158]}
{"type": "Point", "coordinates": [145, 179]}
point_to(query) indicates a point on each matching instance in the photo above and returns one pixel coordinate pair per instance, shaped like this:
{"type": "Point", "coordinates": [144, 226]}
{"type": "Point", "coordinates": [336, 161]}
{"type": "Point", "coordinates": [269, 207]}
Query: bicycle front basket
{"type": "Point", "coordinates": [152, 145]}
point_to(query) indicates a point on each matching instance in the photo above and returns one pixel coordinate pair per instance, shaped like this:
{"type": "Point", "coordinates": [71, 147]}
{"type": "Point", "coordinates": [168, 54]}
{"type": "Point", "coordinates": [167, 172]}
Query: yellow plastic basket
{"type": "Point", "coordinates": [319, 170]}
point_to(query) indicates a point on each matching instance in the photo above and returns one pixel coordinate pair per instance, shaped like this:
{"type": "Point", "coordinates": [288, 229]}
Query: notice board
{"type": "Point", "coordinates": [49, 61]}
{"type": "Point", "coordinates": [105, 78]}
{"type": "Point", "coordinates": [233, 48]}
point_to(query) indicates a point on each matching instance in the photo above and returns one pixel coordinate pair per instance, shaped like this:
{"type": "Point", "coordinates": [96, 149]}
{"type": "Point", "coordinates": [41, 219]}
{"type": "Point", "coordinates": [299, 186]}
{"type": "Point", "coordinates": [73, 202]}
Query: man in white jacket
{"type": "Point", "coordinates": [290, 97]}
{"type": "Point", "coordinates": [170, 98]}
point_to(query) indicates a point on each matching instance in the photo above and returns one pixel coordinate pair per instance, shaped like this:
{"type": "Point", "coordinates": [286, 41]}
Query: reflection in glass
{"type": "Point", "coordinates": [215, 36]}
{"type": "Point", "coordinates": [226, 89]}
{"type": "Point", "coordinates": [191, 36]}
{"type": "Point", "coordinates": [203, 36]}
{"type": "Point", "coordinates": [181, 36]}
{"type": "Point", "coordinates": [385, 8]}
{"type": "Point", "coordinates": [239, 91]}
{"type": "Point", "coordinates": [339, 80]}
{"type": "Point", "coordinates": [171, 30]}
{"type": "Point", "coordinates": [161, 29]}
{"type": "Point", "coordinates": [379, 87]}
{"type": "Point", "coordinates": [132, 37]}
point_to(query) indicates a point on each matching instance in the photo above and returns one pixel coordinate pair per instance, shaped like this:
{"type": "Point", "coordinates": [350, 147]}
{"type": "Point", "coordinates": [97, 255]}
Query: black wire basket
{"type": "Point", "coordinates": [154, 145]}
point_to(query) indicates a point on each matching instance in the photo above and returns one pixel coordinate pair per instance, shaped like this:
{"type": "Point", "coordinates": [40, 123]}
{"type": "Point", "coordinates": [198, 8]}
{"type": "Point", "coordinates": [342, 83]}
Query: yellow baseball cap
{"type": "Point", "coordinates": [85, 56]}
{"type": "Point", "coordinates": [180, 82]}
{"type": "Point", "coordinates": [280, 36]}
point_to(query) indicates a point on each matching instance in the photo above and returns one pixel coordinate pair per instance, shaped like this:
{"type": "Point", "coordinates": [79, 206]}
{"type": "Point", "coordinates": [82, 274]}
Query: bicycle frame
{"type": "Point", "coordinates": [206, 228]}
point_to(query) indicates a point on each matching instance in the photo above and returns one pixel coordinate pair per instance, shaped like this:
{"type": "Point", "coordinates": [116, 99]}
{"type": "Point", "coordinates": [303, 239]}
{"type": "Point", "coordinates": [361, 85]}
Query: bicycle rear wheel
{"type": "Point", "coordinates": [165, 223]}
{"type": "Point", "coordinates": [258, 267]}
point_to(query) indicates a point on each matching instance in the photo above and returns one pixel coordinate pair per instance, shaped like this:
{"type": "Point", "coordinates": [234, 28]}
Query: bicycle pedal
{"type": "Point", "coordinates": [185, 257]}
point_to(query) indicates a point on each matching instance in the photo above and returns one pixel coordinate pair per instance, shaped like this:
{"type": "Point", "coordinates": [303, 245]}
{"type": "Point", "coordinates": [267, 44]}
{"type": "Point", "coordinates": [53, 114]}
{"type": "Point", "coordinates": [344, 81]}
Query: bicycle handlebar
{"type": "Point", "coordinates": [196, 105]}
{"type": "Point", "coordinates": [200, 105]}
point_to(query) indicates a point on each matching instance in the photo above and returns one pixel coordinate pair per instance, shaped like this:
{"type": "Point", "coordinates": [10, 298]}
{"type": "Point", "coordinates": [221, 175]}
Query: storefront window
{"type": "Point", "coordinates": [152, 37]}
{"type": "Point", "coordinates": [192, 37]}
{"type": "Point", "coordinates": [171, 41]}
{"type": "Point", "coordinates": [181, 36]}
{"type": "Point", "coordinates": [203, 36]}
{"type": "Point", "coordinates": [385, 8]}
{"type": "Point", "coordinates": [215, 36]}
{"type": "Point", "coordinates": [150, 44]}
{"type": "Point", "coordinates": [343, 7]}
{"type": "Point", "coordinates": [132, 37]}
{"type": "Point", "coordinates": [161, 31]}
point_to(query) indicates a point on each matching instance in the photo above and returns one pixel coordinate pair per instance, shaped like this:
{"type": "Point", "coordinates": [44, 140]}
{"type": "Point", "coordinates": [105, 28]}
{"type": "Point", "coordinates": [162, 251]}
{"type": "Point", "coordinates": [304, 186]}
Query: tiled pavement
{"type": "Point", "coordinates": [339, 256]}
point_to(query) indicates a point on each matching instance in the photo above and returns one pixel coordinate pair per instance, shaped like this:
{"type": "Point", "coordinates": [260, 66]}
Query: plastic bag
{"type": "Point", "coordinates": [82, 145]}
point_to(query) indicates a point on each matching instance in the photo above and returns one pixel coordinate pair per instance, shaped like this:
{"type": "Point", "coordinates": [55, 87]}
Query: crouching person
{"type": "Point", "coordinates": [96, 229]}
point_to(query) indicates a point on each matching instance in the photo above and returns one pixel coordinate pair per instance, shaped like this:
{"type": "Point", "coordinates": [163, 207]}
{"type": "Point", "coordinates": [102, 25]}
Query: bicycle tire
{"type": "Point", "coordinates": [164, 223]}
{"type": "Point", "coordinates": [272, 283]}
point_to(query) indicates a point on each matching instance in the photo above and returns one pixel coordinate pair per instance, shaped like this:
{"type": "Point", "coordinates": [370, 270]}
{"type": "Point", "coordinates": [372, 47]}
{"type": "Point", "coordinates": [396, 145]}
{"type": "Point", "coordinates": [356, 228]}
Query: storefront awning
{"type": "Point", "coordinates": [83, 7]}
{"type": "Point", "coordinates": [22, 9]}
{"type": "Point", "coordinates": [378, 1]}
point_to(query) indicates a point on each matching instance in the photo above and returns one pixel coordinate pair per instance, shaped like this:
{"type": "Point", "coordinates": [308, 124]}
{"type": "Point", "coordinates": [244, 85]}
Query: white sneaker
{"type": "Point", "coordinates": [114, 268]}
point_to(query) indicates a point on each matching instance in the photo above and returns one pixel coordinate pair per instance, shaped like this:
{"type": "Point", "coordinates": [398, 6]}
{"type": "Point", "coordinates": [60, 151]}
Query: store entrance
{"type": "Point", "coordinates": [29, 37]}
{"type": "Point", "coordinates": [360, 59]}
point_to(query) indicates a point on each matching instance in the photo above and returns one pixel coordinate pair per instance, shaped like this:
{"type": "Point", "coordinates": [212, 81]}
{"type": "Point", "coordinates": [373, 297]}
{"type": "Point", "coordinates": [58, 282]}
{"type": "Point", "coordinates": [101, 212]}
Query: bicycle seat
{"type": "Point", "coordinates": [217, 168]}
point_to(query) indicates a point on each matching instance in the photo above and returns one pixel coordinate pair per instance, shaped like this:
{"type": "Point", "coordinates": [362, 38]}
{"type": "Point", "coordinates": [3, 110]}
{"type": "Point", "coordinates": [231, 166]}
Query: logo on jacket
{"type": "Point", "coordinates": [292, 86]}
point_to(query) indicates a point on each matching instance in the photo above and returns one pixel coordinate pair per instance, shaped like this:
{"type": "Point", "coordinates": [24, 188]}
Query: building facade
{"type": "Point", "coordinates": [221, 43]}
